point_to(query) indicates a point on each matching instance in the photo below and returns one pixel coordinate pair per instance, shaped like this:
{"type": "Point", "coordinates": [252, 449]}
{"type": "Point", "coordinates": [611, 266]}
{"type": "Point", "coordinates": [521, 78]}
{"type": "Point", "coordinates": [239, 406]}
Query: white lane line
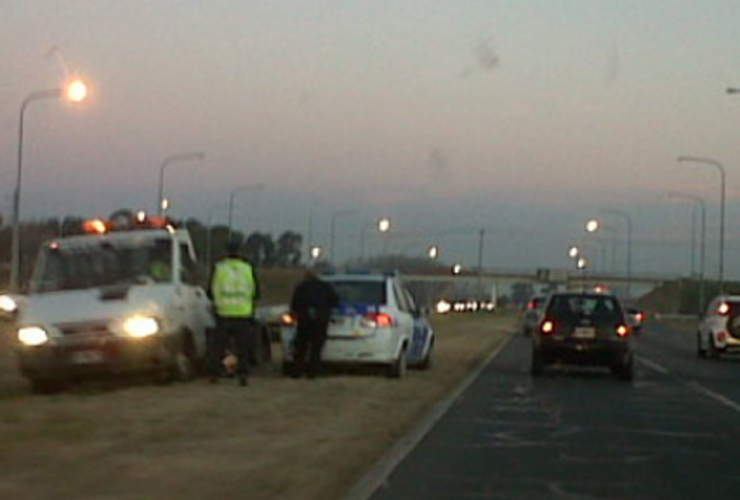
{"type": "Point", "coordinates": [696, 386]}
{"type": "Point", "coordinates": [652, 364]}
{"type": "Point", "coordinates": [379, 473]}
{"type": "Point", "coordinates": [715, 396]}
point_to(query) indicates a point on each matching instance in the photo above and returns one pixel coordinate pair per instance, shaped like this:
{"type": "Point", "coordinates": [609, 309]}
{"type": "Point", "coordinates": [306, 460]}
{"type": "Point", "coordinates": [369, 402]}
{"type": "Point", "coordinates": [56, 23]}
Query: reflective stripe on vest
{"type": "Point", "coordinates": [233, 289]}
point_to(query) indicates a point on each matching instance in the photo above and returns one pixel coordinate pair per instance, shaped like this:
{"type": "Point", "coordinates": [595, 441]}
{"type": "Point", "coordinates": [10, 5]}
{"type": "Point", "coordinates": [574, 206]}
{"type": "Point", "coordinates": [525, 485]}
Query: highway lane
{"type": "Point", "coordinates": [581, 434]}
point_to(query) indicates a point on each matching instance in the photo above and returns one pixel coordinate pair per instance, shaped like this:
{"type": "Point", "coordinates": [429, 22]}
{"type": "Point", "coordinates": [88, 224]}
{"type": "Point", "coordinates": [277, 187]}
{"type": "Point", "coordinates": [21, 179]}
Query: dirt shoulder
{"type": "Point", "coordinates": [278, 438]}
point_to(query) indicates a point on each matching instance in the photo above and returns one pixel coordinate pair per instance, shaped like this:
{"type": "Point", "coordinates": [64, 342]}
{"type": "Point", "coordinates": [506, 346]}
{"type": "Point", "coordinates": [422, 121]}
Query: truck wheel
{"type": "Point", "coordinates": [398, 368]}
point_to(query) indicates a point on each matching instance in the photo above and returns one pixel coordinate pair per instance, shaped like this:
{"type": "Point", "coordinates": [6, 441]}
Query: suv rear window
{"type": "Point", "coordinates": [572, 308]}
{"type": "Point", "coordinates": [360, 292]}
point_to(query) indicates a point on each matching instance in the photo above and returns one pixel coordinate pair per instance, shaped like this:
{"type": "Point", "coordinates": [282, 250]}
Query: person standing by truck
{"type": "Point", "coordinates": [311, 304]}
{"type": "Point", "coordinates": [234, 290]}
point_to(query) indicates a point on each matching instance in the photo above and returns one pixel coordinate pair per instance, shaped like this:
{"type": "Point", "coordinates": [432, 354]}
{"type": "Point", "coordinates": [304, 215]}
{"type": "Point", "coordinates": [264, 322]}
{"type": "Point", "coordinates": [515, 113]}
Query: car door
{"type": "Point", "coordinates": [422, 331]}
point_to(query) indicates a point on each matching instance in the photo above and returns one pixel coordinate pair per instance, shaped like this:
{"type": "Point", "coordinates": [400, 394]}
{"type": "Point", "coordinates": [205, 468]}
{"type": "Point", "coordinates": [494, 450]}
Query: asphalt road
{"type": "Point", "coordinates": [581, 434]}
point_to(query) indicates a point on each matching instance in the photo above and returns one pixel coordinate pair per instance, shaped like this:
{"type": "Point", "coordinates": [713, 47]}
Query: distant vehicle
{"type": "Point", "coordinates": [124, 298]}
{"type": "Point", "coordinates": [376, 323]}
{"type": "Point", "coordinates": [583, 329]}
{"type": "Point", "coordinates": [635, 318]}
{"type": "Point", "coordinates": [719, 329]}
{"type": "Point", "coordinates": [532, 312]}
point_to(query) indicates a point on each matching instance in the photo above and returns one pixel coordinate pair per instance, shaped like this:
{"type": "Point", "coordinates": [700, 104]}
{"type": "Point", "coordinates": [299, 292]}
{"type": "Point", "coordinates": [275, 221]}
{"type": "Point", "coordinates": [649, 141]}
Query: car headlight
{"type": "Point", "coordinates": [140, 326]}
{"type": "Point", "coordinates": [32, 335]}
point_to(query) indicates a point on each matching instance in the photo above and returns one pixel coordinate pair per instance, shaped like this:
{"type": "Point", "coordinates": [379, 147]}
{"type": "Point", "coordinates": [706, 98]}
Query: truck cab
{"type": "Point", "coordinates": [112, 302]}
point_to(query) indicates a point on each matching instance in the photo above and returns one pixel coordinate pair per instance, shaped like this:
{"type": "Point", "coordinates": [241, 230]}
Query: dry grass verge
{"type": "Point", "coordinates": [278, 438]}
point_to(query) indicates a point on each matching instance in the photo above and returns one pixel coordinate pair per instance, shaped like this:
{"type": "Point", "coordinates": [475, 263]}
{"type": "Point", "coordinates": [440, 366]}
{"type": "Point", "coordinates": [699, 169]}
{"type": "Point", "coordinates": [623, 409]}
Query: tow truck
{"type": "Point", "coordinates": [122, 298]}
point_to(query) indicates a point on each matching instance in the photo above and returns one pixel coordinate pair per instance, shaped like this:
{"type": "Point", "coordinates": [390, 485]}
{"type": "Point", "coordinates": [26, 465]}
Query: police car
{"type": "Point", "coordinates": [377, 322]}
{"type": "Point", "coordinates": [719, 329]}
{"type": "Point", "coordinates": [122, 298]}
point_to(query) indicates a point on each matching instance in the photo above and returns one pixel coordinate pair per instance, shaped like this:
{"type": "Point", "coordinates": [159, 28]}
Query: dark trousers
{"type": "Point", "coordinates": [309, 340]}
{"type": "Point", "coordinates": [234, 334]}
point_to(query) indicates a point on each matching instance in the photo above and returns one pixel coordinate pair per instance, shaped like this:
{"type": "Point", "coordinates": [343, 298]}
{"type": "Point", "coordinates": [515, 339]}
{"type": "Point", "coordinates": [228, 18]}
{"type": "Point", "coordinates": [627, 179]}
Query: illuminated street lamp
{"type": "Point", "coordinates": [383, 225]}
{"type": "Point", "coordinates": [433, 252]}
{"type": "Point", "coordinates": [573, 252]}
{"type": "Point", "coordinates": [581, 263]}
{"type": "Point", "coordinates": [163, 204]}
{"type": "Point", "coordinates": [315, 253]}
{"type": "Point", "coordinates": [74, 92]}
{"type": "Point", "coordinates": [457, 269]}
{"type": "Point", "coordinates": [721, 169]}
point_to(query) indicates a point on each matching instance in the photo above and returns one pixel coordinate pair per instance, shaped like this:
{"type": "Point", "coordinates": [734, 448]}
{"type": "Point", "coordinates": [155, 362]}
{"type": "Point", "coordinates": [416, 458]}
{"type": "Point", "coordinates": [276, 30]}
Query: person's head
{"type": "Point", "coordinates": [310, 274]}
{"type": "Point", "coordinates": [233, 249]}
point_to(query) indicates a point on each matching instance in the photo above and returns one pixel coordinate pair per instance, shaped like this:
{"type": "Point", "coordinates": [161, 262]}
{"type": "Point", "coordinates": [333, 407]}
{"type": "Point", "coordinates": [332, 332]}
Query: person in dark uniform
{"type": "Point", "coordinates": [311, 304]}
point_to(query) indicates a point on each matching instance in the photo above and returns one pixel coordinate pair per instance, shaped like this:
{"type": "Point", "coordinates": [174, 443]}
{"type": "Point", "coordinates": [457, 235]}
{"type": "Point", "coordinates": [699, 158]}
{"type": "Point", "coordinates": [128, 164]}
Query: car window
{"type": "Point", "coordinates": [360, 292]}
{"type": "Point", "coordinates": [574, 307]}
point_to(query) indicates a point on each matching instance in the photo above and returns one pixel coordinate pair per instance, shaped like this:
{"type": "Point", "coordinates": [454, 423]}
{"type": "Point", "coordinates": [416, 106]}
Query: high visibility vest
{"type": "Point", "coordinates": [233, 289]}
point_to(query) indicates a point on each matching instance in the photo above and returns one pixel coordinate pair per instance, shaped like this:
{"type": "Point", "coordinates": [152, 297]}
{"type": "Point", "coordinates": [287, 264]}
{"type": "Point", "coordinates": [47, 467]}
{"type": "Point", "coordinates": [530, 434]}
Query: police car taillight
{"type": "Point", "coordinates": [377, 320]}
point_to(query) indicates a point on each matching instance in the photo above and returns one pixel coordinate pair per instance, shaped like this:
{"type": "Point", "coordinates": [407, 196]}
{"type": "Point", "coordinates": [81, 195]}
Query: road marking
{"type": "Point", "coordinates": [696, 386]}
{"type": "Point", "coordinates": [715, 396]}
{"type": "Point", "coordinates": [379, 473]}
{"type": "Point", "coordinates": [652, 364]}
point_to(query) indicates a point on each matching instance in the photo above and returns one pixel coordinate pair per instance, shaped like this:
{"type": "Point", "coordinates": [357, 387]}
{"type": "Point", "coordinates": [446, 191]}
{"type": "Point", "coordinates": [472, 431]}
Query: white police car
{"type": "Point", "coordinates": [719, 329]}
{"type": "Point", "coordinates": [377, 322]}
{"type": "Point", "coordinates": [111, 302]}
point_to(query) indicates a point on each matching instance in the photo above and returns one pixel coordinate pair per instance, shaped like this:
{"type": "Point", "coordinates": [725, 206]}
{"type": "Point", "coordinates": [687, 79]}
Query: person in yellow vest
{"type": "Point", "coordinates": [234, 289]}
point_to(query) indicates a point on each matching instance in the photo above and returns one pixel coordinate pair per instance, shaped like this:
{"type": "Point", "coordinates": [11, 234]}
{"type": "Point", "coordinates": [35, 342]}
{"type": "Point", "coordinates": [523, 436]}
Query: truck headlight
{"type": "Point", "coordinates": [32, 335]}
{"type": "Point", "coordinates": [8, 305]}
{"type": "Point", "coordinates": [140, 326]}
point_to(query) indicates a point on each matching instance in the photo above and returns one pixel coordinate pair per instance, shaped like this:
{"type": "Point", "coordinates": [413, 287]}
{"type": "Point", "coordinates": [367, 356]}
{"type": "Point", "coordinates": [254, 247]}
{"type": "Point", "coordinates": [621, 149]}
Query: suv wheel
{"type": "Point", "coordinates": [398, 368]}
{"type": "Point", "coordinates": [538, 362]}
{"type": "Point", "coordinates": [714, 352]}
{"type": "Point", "coordinates": [700, 349]}
{"type": "Point", "coordinates": [625, 369]}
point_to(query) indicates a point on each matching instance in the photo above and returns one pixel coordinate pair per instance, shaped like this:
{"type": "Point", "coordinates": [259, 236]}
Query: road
{"type": "Point", "coordinates": [672, 433]}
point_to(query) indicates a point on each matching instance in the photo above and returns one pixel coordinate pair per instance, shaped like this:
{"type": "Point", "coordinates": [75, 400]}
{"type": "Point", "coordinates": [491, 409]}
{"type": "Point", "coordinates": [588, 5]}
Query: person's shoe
{"type": "Point", "coordinates": [243, 381]}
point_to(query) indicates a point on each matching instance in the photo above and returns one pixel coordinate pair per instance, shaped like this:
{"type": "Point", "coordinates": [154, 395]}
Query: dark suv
{"type": "Point", "coordinates": [583, 329]}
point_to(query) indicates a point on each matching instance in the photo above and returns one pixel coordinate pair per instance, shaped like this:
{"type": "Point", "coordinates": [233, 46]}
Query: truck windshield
{"type": "Point", "coordinates": [99, 265]}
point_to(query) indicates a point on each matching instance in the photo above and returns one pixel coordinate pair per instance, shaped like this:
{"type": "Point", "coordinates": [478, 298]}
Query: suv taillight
{"type": "Point", "coordinates": [377, 320]}
{"type": "Point", "coordinates": [623, 331]}
{"type": "Point", "coordinates": [547, 327]}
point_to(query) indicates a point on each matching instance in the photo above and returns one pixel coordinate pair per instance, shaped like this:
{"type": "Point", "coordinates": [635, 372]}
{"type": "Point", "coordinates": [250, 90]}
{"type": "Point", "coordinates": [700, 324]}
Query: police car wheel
{"type": "Point", "coordinates": [428, 360]}
{"type": "Point", "coordinates": [398, 368]}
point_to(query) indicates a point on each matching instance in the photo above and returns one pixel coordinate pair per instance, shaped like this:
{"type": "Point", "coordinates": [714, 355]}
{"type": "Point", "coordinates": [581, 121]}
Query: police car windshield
{"type": "Point", "coordinates": [360, 292]}
{"type": "Point", "coordinates": [93, 266]}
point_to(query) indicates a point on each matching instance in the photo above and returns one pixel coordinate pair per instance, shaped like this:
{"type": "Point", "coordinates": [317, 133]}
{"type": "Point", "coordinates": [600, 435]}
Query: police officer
{"type": "Point", "coordinates": [312, 303]}
{"type": "Point", "coordinates": [234, 289]}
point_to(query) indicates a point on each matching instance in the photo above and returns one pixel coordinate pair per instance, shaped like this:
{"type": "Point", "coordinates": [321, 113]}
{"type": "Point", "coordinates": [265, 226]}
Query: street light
{"type": "Point", "coordinates": [700, 203]}
{"type": "Point", "coordinates": [594, 226]}
{"type": "Point", "coordinates": [721, 169]}
{"type": "Point", "coordinates": [433, 252]}
{"type": "Point", "coordinates": [573, 252]}
{"type": "Point", "coordinates": [162, 204]}
{"type": "Point", "coordinates": [74, 92]}
{"type": "Point", "coordinates": [246, 187]}
{"type": "Point", "coordinates": [334, 216]}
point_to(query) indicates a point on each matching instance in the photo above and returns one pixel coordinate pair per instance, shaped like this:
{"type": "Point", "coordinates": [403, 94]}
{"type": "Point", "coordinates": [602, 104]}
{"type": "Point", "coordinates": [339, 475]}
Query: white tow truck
{"type": "Point", "coordinates": [120, 299]}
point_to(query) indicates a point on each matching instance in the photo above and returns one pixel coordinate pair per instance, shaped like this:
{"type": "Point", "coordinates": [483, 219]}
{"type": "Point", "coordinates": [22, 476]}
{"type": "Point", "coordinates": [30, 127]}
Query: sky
{"type": "Point", "coordinates": [519, 118]}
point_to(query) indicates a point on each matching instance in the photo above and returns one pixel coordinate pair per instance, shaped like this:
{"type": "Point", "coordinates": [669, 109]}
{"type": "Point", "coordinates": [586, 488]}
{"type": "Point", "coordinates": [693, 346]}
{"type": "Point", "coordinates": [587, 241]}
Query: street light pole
{"type": "Point", "coordinates": [703, 210]}
{"type": "Point", "coordinates": [192, 155]}
{"type": "Point", "coordinates": [76, 91]}
{"type": "Point", "coordinates": [721, 169]}
{"type": "Point", "coordinates": [233, 193]}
